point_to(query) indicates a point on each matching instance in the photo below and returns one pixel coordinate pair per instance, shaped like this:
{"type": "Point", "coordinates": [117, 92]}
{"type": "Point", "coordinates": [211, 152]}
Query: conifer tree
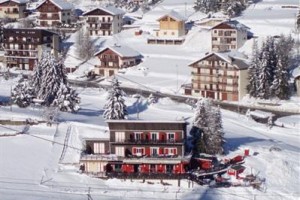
{"type": "Point", "coordinates": [115, 107]}
{"type": "Point", "coordinates": [49, 84]}
{"type": "Point", "coordinates": [209, 120]}
{"type": "Point", "coordinates": [280, 85]}
{"type": "Point", "coordinates": [253, 71]}
{"type": "Point", "coordinates": [23, 93]}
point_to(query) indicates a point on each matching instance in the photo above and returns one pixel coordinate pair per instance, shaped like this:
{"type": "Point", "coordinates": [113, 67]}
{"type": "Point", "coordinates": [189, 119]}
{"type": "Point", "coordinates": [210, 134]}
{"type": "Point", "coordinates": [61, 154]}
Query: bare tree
{"type": "Point", "coordinates": [84, 44]}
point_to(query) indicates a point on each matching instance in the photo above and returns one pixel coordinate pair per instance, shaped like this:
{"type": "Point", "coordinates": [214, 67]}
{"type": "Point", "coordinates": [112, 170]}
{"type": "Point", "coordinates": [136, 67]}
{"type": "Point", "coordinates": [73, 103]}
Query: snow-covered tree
{"type": "Point", "coordinates": [209, 120]}
{"type": "Point", "coordinates": [253, 71]}
{"type": "Point", "coordinates": [115, 107]}
{"type": "Point", "coordinates": [216, 137]}
{"type": "Point", "coordinates": [233, 8]}
{"type": "Point", "coordinates": [207, 6]}
{"type": "Point", "coordinates": [280, 85]}
{"type": "Point", "coordinates": [267, 68]}
{"type": "Point", "coordinates": [49, 84]}
{"type": "Point", "coordinates": [23, 93]}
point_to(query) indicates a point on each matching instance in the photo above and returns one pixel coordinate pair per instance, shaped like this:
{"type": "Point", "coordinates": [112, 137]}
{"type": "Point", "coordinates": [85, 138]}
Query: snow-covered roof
{"type": "Point", "coordinates": [17, 1]}
{"type": "Point", "coordinates": [122, 51]}
{"type": "Point", "coordinates": [59, 3]}
{"type": "Point", "coordinates": [232, 57]}
{"type": "Point", "coordinates": [296, 72]}
{"type": "Point", "coordinates": [261, 114]}
{"type": "Point", "coordinates": [233, 24]}
{"type": "Point", "coordinates": [109, 9]}
{"type": "Point", "coordinates": [174, 15]}
{"type": "Point", "coordinates": [145, 121]}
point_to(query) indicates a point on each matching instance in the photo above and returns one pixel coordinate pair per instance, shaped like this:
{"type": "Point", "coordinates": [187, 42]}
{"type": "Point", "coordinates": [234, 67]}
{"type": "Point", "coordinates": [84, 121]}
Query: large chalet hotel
{"type": "Point", "coordinates": [137, 146]}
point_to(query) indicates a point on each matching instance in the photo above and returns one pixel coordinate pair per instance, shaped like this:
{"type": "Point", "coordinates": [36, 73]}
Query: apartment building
{"type": "Point", "coordinates": [24, 47]}
{"type": "Point", "coordinates": [13, 9]}
{"type": "Point", "coordinates": [219, 76]}
{"type": "Point", "coordinates": [104, 21]}
{"type": "Point", "coordinates": [228, 35]}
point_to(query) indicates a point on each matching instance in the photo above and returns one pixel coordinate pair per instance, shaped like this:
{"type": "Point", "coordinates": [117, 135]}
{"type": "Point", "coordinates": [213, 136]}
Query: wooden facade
{"type": "Point", "coordinates": [152, 139]}
{"type": "Point", "coordinates": [13, 9]}
{"type": "Point", "coordinates": [219, 76]}
{"type": "Point", "coordinates": [23, 47]}
{"type": "Point", "coordinates": [51, 13]}
{"type": "Point", "coordinates": [104, 21]}
{"type": "Point", "coordinates": [138, 147]}
{"type": "Point", "coordinates": [114, 58]}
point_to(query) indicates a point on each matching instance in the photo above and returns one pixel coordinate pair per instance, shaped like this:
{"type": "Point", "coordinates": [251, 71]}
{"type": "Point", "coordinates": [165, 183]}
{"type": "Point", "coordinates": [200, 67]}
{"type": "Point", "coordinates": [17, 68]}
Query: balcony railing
{"type": "Point", "coordinates": [46, 17]}
{"type": "Point", "coordinates": [145, 141]}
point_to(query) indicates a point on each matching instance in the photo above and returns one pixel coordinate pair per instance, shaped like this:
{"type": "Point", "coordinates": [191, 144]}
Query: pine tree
{"type": "Point", "coordinates": [280, 85]}
{"type": "Point", "coordinates": [49, 84]}
{"type": "Point", "coordinates": [216, 137]}
{"type": "Point", "coordinates": [233, 8]}
{"type": "Point", "coordinates": [209, 120]}
{"type": "Point", "coordinates": [268, 62]}
{"type": "Point", "coordinates": [115, 107]}
{"type": "Point", "coordinates": [207, 6]}
{"type": "Point", "coordinates": [253, 71]}
{"type": "Point", "coordinates": [23, 93]}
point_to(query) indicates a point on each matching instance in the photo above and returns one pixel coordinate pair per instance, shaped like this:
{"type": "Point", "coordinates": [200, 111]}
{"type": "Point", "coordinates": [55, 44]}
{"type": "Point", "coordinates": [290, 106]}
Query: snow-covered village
{"type": "Point", "coordinates": [150, 99]}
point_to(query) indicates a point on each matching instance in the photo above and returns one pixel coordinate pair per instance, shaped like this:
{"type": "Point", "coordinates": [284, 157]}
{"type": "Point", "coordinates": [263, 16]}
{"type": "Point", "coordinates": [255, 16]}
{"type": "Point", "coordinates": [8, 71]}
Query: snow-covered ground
{"type": "Point", "coordinates": [33, 165]}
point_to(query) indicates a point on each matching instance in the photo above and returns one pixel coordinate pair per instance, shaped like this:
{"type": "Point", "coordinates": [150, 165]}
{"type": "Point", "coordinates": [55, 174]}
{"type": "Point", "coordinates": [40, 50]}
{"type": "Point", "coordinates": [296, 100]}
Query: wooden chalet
{"type": "Point", "coordinates": [137, 147]}
{"type": "Point", "coordinates": [114, 58]}
{"type": "Point", "coordinates": [104, 21]}
{"type": "Point", "coordinates": [171, 30]}
{"type": "Point", "coordinates": [13, 9]}
{"type": "Point", "coordinates": [54, 12]}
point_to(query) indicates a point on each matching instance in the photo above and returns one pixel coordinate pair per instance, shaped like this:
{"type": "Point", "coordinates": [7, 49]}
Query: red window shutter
{"type": "Point", "coordinates": [176, 136]}
{"type": "Point", "coordinates": [175, 151]}
{"type": "Point", "coordinates": [142, 136]}
{"type": "Point", "coordinates": [166, 151]}
{"type": "Point", "coordinates": [147, 151]}
{"type": "Point", "coordinates": [143, 151]}
{"type": "Point", "coordinates": [133, 150]}
{"type": "Point", "coordinates": [160, 135]}
{"type": "Point", "coordinates": [161, 151]}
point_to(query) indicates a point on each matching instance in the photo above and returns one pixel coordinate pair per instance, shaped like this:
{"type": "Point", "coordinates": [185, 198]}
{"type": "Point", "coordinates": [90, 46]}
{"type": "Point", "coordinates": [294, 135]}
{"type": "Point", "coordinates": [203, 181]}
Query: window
{"type": "Point", "coordinates": [120, 136]}
{"type": "Point", "coordinates": [139, 151]}
{"type": "Point", "coordinates": [99, 148]}
{"type": "Point", "coordinates": [120, 151]}
{"type": "Point", "coordinates": [171, 137]}
{"type": "Point", "coordinates": [154, 151]}
{"type": "Point", "coordinates": [170, 151]}
{"type": "Point", "coordinates": [138, 136]}
{"type": "Point", "coordinates": [154, 136]}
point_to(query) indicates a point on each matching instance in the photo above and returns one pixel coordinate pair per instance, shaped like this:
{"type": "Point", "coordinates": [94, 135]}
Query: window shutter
{"type": "Point", "coordinates": [134, 151]}
{"type": "Point", "coordinates": [166, 151]}
{"type": "Point", "coordinates": [161, 151]}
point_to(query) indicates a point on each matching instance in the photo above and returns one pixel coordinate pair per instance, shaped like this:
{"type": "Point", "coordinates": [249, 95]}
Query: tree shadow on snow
{"type": "Point", "coordinates": [90, 112]}
{"type": "Point", "coordinates": [234, 143]}
{"type": "Point", "coordinates": [137, 107]}
{"type": "Point", "coordinates": [208, 194]}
